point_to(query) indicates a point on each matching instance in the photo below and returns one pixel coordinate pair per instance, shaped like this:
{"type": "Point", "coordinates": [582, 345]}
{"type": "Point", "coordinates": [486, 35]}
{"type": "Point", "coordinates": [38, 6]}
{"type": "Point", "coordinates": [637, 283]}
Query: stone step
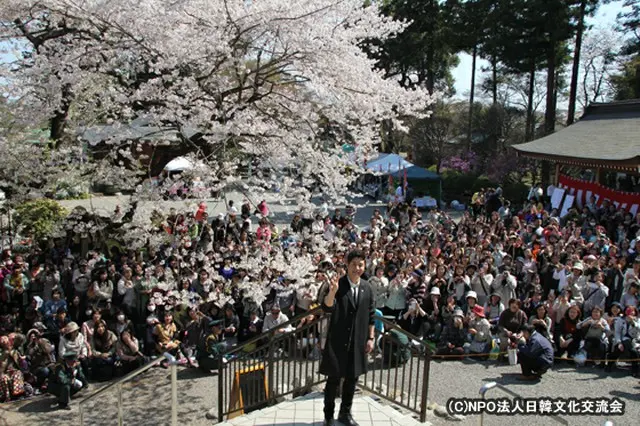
{"type": "Point", "coordinates": [307, 411]}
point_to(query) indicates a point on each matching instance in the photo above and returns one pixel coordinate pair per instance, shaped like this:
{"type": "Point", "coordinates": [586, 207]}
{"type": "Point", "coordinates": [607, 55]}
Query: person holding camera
{"type": "Point", "coordinates": [413, 319]}
{"type": "Point", "coordinates": [505, 284]}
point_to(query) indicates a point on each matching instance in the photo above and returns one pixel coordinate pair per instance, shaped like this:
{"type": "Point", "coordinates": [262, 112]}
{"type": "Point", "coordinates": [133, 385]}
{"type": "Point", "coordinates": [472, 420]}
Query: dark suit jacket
{"type": "Point", "coordinates": [348, 331]}
{"type": "Point", "coordinates": [615, 294]}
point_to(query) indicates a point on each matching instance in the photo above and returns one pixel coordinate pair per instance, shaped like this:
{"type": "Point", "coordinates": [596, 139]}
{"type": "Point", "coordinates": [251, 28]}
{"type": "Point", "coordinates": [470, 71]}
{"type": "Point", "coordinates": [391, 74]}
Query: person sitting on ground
{"type": "Point", "coordinates": [536, 355]}
{"type": "Point", "coordinates": [453, 336]}
{"type": "Point", "coordinates": [11, 378]}
{"type": "Point", "coordinates": [41, 354]}
{"type": "Point", "coordinates": [479, 331]}
{"type": "Point", "coordinates": [567, 333]}
{"type": "Point", "coordinates": [103, 352]}
{"type": "Point", "coordinates": [595, 330]}
{"type": "Point", "coordinates": [210, 355]}
{"type": "Point", "coordinates": [71, 340]}
{"type": "Point", "coordinates": [67, 380]}
{"type": "Point", "coordinates": [510, 324]}
{"type": "Point", "coordinates": [618, 334]}
{"type": "Point", "coordinates": [541, 318]}
{"type": "Point", "coordinates": [128, 352]}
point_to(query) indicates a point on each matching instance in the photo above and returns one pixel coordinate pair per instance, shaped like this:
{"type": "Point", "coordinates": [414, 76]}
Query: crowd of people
{"type": "Point", "coordinates": [496, 279]}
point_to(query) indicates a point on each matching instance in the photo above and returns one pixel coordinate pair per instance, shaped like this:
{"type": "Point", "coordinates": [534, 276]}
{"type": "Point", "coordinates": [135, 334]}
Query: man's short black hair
{"type": "Point", "coordinates": [355, 254]}
{"type": "Point", "coordinates": [528, 328]}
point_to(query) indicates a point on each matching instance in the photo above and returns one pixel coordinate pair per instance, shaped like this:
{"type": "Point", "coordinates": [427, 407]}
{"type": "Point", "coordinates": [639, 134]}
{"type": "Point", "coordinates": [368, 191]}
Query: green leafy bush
{"type": "Point", "coordinates": [38, 218]}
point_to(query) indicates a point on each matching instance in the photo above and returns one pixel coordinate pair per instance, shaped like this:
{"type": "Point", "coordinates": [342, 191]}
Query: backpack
{"type": "Point", "coordinates": [396, 348]}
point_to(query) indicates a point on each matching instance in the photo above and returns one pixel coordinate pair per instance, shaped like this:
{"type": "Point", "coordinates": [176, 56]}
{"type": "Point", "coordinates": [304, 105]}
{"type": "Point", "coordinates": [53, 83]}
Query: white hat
{"type": "Point", "coordinates": [435, 291]}
{"type": "Point", "coordinates": [471, 294]}
{"type": "Point", "coordinates": [578, 266]}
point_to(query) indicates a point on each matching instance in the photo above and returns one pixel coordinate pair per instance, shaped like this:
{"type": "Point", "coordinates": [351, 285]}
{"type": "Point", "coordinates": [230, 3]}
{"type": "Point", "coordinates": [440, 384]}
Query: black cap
{"type": "Point", "coordinates": [215, 322]}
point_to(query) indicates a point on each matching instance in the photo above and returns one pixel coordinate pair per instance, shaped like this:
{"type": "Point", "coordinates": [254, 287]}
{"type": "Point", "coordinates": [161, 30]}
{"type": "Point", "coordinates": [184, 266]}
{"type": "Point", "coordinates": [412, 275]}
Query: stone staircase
{"type": "Point", "coordinates": [307, 410]}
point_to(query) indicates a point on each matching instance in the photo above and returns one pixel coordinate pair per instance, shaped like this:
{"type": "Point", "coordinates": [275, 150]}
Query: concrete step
{"type": "Point", "coordinates": [307, 411]}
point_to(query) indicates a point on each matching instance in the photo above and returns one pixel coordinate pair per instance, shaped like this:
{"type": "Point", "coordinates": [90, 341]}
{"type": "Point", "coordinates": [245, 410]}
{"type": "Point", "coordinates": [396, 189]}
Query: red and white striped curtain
{"type": "Point", "coordinates": [583, 190]}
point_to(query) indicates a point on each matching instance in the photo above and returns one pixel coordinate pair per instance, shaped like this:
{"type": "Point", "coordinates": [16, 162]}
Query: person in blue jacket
{"type": "Point", "coordinates": [536, 355]}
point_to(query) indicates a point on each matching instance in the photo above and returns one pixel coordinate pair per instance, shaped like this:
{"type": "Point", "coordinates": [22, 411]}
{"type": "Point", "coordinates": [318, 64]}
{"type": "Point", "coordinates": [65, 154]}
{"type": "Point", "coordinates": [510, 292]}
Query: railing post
{"type": "Point", "coordinates": [270, 367]}
{"type": "Point", "coordinates": [425, 385]}
{"type": "Point", "coordinates": [221, 376]}
{"type": "Point", "coordinates": [174, 394]}
{"type": "Point", "coordinates": [120, 404]}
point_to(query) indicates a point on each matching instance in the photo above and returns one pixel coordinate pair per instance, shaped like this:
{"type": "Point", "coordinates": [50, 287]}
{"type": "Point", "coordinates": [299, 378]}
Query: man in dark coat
{"type": "Point", "coordinates": [535, 356]}
{"type": "Point", "coordinates": [350, 336]}
{"type": "Point", "coordinates": [614, 279]}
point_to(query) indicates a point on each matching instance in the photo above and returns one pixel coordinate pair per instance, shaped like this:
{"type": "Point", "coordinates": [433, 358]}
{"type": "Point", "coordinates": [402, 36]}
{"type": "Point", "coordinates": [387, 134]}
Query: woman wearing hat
{"type": "Point", "coordinates": [479, 332]}
{"type": "Point", "coordinates": [73, 341]}
{"type": "Point", "coordinates": [577, 282]}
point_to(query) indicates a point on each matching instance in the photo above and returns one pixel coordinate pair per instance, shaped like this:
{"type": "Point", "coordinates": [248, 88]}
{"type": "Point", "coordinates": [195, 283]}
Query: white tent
{"type": "Point", "coordinates": [388, 164]}
{"type": "Point", "coordinates": [179, 164]}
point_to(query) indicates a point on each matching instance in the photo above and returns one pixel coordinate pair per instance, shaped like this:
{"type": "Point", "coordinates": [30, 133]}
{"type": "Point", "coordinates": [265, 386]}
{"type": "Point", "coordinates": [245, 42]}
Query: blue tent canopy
{"type": "Point", "coordinates": [393, 164]}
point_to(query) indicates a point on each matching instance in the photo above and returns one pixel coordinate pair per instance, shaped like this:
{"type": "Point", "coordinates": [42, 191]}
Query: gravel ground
{"type": "Point", "coordinates": [197, 393]}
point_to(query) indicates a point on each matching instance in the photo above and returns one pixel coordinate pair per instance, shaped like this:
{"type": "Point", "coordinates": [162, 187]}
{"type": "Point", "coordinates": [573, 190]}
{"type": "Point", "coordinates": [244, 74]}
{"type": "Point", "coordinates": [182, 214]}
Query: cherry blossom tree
{"type": "Point", "coordinates": [226, 82]}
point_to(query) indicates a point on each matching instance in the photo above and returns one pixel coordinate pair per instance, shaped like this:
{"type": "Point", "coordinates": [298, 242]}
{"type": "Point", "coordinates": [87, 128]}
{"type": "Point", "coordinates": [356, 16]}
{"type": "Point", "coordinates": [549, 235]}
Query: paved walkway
{"type": "Point", "coordinates": [308, 411]}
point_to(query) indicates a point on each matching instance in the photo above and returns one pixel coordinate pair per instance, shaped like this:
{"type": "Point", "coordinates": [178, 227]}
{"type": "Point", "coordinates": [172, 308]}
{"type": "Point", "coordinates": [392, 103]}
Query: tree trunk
{"type": "Point", "coordinates": [58, 122]}
{"type": "Point", "coordinates": [430, 51]}
{"type": "Point", "coordinates": [576, 65]}
{"type": "Point", "coordinates": [530, 126]}
{"type": "Point", "coordinates": [471, 96]}
{"type": "Point", "coordinates": [550, 111]}
{"type": "Point", "coordinates": [494, 78]}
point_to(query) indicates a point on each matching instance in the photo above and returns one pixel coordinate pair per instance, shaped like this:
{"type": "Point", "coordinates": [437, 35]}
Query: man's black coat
{"type": "Point", "coordinates": [348, 331]}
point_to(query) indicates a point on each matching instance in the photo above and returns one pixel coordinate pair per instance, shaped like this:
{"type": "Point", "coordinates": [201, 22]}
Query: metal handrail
{"type": "Point", "coordinates": [118, 384]}
{"type": "Point", "coordinates": [390, 325]}
{"type": "Point", "coordinates": [422, 371]}
{"type": "Point", "coordinates": [262, 353]}
{"type": "Point", "coordinates": [261, 336]}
